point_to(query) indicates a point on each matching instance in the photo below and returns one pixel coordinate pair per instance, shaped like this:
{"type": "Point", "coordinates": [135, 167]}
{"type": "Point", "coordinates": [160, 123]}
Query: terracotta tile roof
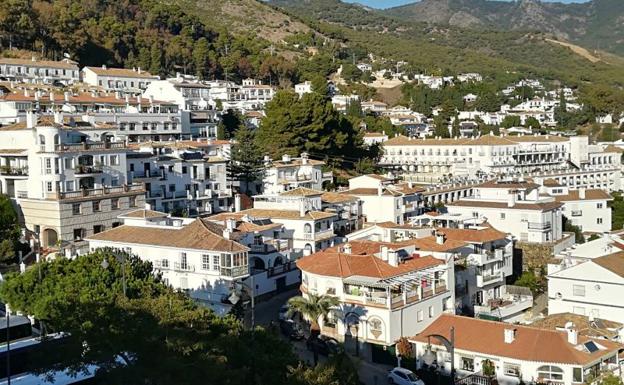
{"type": "Point", "coordinates": [334, 197]}
{"type": "Point", "coordinates": [550, 182]}
{"type": "Point", "coordinates": [406, 189]}
{"type": "Point", "coordinates": [530, 344]}
{"type": "Point", "coordinates": [545, 206]}
{"type": "Point", "coordinates": [301, 192]}
{"type": "Point", "coordinates": [591, 194]}
{"type": "Point", "coordinates": [612, 262]}
{"type": "Point", "coordinates": [13, 151]}
{"type": "Point", "coordinates": [274, 214]}
{"type": "Point", "coordinates": [40, 63]}
{"type": "Point", "coordinates": [430, 244]}
{"type": "Point", "coordinates": [378, 177]}
{"type": "Point", "coordinates": [121, 73]}
{"type": "Point", "coordinates": [481, 235]}
{"type": "Point", "coordinates": [372, 191]}
{"type": "Point", "coordinates": [295, 163]}
{"type": "Point", "coordinates": [538, 139]}
{"type": "Point", "coordinates": [80, 98]}
{"type": "Point", "coordinates": [144, 214]}
{"type": "Point", "coordinates": [509, 185]}
{"type": "Point", "coordinates": [250, 227]}
{"type": "Point", "coordinates": [597, 328]}
{"type": "Point", "coordinates": [337, 264]}
{"type": "Point", "coordinates": [198, 235]}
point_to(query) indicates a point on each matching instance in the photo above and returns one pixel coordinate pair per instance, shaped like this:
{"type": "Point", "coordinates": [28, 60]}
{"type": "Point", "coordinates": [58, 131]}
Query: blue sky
{"type": "Point", "coordinates": [394, 3]}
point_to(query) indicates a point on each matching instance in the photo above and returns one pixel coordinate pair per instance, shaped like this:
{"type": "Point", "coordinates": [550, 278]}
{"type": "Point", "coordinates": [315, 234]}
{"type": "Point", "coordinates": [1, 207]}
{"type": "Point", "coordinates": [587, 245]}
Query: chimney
{"type": "Point", "coordinates": [440, 237]}
{"type": "Point", "coordinates": [582, 193]}
{"type": "Point", "coordinates": [237, 203]}
{"type": "Point", "coordinates": [302, 209]}
{"type": "Point", "coordinates": [117, 95]}
{"type": "Point", "coordinates": [380, 190]}
{"type": "Point", "coordinates": [26, 93]}
{"type": "Point", "coordinates": [230, 224]}
{"type": "Point", "coordinates": [285, 158]}
{"type": "Point", "coordinates": [58, 117]}
{"type": "Point", "coordinates": [31, 119]}
{"type": "Point", "coordinates": [304, 158]}
{"type": "Point", "coordinates": [384, 253]}
{"type": "Point", "coordinates": [139, 69]}
{"type": "Point", "coordinates": [67, 94]}
{"type": "Point", "coordinates": [510, 335]}
{"type": "Point", "coordinates": [103, 66]}
{"type": "Point", "coordinates": [511, 202]}
{"type": "Point", "coordinates": [393, 258]}
{"type": "Point", "coordinates": [347, 248]}
{"type": "Point", "coordinates": [151, 99]}
{"type": "Point", "coordinates": [33, 58]}
{"type": "Point", "coordinates": [52, 97]}
{"type": "Point", "coordinates": [572, 336]}
{"type": "Point", "coordinates": [227, 233]}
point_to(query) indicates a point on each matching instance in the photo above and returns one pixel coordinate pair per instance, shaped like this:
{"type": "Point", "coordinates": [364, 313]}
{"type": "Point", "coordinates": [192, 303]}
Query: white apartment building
{"type": "Point", "coordinates": [386, 291]}
{"type": "Point", "coordinates": [66, 185]}
{"type": "Point", "coordinates": [303, 88]}
{"type": "Point", "coordinates": [570, 160]}
{"type": "Point", "coordinates": [515, 206]}
{"type": "Point", "coordinates": [519, 354]}
{"type": "Point", "coordinates": [39, 71]}
{"type": "Point", "coordinates": [189, 95]}
{"type": "Point", "coordinates": [290, 173]}
{"type": "Point", "coordinates": [118, 79]}
{"type": "Point", "coordinates": [384, 199]}
{"type": "Point", "coordinates": [309, 228]}
{"type": "Point", "coordinates": [592, 288]}
{"type": "Point", "coordinates": [347, 207]}
{"type": "Point", "coordinates": [587, 209]}
{"type": "Point", "coordinates": [182, 176]}
{"type": "Point", "coordinates": [191, 254]}
{"type": "Point", "coordinates": [372, 138]}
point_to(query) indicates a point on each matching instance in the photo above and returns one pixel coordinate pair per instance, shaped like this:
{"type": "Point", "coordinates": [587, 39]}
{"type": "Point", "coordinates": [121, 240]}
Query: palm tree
{"type": "Point", "coordinates": [313, 308]}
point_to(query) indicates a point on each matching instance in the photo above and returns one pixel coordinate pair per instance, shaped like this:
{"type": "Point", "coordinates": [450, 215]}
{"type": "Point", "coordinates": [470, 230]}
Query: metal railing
{"type": "Point", "coordinates": [70, 147]}
{"type": "Point", "coordinates": [238, 271]}
{"type": "Point", "coordinates": [138, 188]}
{"type": "Point", "coordinates": [183, 267]}
{"type": "Point", "coordinates": [539, 226]}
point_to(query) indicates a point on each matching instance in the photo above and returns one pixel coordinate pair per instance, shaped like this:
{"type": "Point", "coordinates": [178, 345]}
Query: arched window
{"type": "Point", "coordinates": [307, 228]}
{"type": "Point", "coordinates": [375, 327]}
{"type": "Point", "coordinates": [550, 372]}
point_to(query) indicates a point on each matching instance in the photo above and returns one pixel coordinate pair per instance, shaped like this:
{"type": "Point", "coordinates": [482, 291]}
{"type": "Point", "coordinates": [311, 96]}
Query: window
{"type": "Point", "coordinates": [132, 201]}
{"type": "Point", "coordinates": [205, 262]}
{"type": "Point", "coordinates": [599, 221]}
{"type": "Point", "coordinates": [502, 215]}
{"type": "Point", "coordinates": [76, 209]}
{"type": "Point", "coordinates": [114, 160]}
{"type": "Point", "coordinates": [511, 370]}
{"type": "Point", "coordinates": [183, 261]}
{"type": "Point", "coordinates": [550, 372]}
{"type": "Point", "coordinates": [49, 186]}
{"type": "Point", "coordinates": [419, 316]}
{"type": "Point", "coordinates": [114, 203]}
{"type": "Point", "coordinates": [467, 363]}
{"type": "Point", "coordinates": [78, 234]}
{"type": "Point", "coordinates": [578, 290]}
{"type": "Point", "coordinates": [215, 262]}
{"type": "Point", "coordinates": [114, 182]}
{"type": "Point", "coordinates": [598, 205]}
{"type": "Point", "coordinates": [430, 311]}
{"type": "Point", "coordinates": [98, 229]}
{"type": "Point", "coordinates": [116, 224]}
{"type": "Point", "coordinates": [578, 310]}
{"type": "Point", "coordinates": [577, 374]}
{"type": "Point", "coordinates": [96, 206]}
{"type": "Point", "coordinates": [184, 169]}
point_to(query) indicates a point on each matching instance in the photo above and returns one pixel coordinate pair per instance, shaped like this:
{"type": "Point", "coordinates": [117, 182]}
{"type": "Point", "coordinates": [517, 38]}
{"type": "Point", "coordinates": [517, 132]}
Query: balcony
{"type": "Point", "coordinates": [86, 170]}
{"type": "Point", "coordinates": [234, 272]}
{"type": "Point", "coordinates": [272, 246]}
{"type": "Point", "coordinates": [95, 146]}
{"type": "Point", "coordinates": [507, 306]}
{"type": "Point", "coordinates": [487, 278]}
{"type": "Point", "coordinates": [13, 171]}
{"type": "Point", "coordinates": [539, 226]}
{"type": "Point", "coordinates": [133, 189]}
{"type": "Point", "coordinates": [486, 257]}
{"type": "Point", "coordinates": [147, 174]}
{"type": "Point", "coordinates": [577, 213]}
{"type": "Point", "coordinates": [319, 235]}
{"type": "Point", "coordinates": [183, 267]}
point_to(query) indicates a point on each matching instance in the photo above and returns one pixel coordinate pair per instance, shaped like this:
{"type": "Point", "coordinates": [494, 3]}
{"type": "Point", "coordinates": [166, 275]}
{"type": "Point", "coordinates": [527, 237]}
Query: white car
{"type": "Point", "coordinates": [401, 376]}
{"type": "Point", "coordinates": [283, 312]}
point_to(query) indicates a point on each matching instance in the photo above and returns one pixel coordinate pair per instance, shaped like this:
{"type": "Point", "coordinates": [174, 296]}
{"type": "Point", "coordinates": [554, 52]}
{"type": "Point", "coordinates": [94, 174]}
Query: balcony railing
{"type": "Point", "coordinates": [14, 171]}
{"type": "Point", "coordinates": [234, 272]}
{"type": "Point", "coordinates": [84, 169]}
{"type": "Point", "coordinates": [539, 226]}
{"type": "Point", "coordinates": [577, 213]}
{"type": "Point", "coordinates": [177, 266]}
{"type": "Point", "coordinates": [318, 235]}
{"type": "Point", "coordinates": [486, 278]}
{"type": "Point", "coordinates": [95, 146]}
{"type": "Point", "coordinates": [134, 188]}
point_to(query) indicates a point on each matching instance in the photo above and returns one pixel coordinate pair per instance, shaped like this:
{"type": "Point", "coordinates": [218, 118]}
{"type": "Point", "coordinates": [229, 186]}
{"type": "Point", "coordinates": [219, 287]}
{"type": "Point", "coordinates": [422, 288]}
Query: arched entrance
{"type": "Point", "coordinates": [258, 263]}
{"type": "Point", "coordinates": [50, 238]}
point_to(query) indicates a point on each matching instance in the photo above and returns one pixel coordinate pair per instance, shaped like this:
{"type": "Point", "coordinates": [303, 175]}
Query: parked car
{"type": "Point", "coordinates": [324, 345]}
{"type": "Point", "coordinates": [291, 330]}
{"type": "Point", "coordinates": [283, 312]}
{"type": "Point", "coordinates": [402, 376]}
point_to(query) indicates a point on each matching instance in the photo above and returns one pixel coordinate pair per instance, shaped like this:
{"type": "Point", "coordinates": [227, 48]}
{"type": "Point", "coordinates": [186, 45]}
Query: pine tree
{"type": "Point", "coordinates": [156, 59]}
{"type": "Point", "coordinates": [246, 162]}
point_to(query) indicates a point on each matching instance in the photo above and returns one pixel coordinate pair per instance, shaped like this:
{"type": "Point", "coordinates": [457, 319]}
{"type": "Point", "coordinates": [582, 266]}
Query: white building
{"type": "Point", "coordinates": [303, 88]}
{"type": "Point", "coordinates": [372, 138]}
{"type": "Point", "coordinates": [189, 95]}
{"type": "Point", "coordinates": [290, 173]}
{"type": "Point", "coordinates": [518, 354]}
{"type": "Point", "coordinates": [587, 209]}
{"type": "Point", "coordinates": [39, 71]}
{"type": "Point", "coordinates": [386, 291]}
{"type": "Point", "coordinates": [66, 184]}
{"type": "Point", "coordinates": [592, 288]}
{"type": "Point", "coordinates": [515, 206]}
{"type": "Point", "coordinates": [118, 79]}
{"type": "Point", "coordinates": [193, 255]}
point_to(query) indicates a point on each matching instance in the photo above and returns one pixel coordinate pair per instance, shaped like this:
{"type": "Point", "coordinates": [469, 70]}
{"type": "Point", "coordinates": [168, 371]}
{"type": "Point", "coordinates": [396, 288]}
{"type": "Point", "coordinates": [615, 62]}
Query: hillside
{"type": "Point", "coordinates": [444, 48]}
{"type": "Point", "coordinates": [597, 24]}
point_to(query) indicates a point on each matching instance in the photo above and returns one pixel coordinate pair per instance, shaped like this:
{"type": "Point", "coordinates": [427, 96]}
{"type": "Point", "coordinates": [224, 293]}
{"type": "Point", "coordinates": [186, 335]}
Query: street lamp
{"type": "Point", "coordinates": [429, 357]}
{"type": "Point", "coordinates": [235, 297]}
{"type": "Point", "coordinates": [120, 255]}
